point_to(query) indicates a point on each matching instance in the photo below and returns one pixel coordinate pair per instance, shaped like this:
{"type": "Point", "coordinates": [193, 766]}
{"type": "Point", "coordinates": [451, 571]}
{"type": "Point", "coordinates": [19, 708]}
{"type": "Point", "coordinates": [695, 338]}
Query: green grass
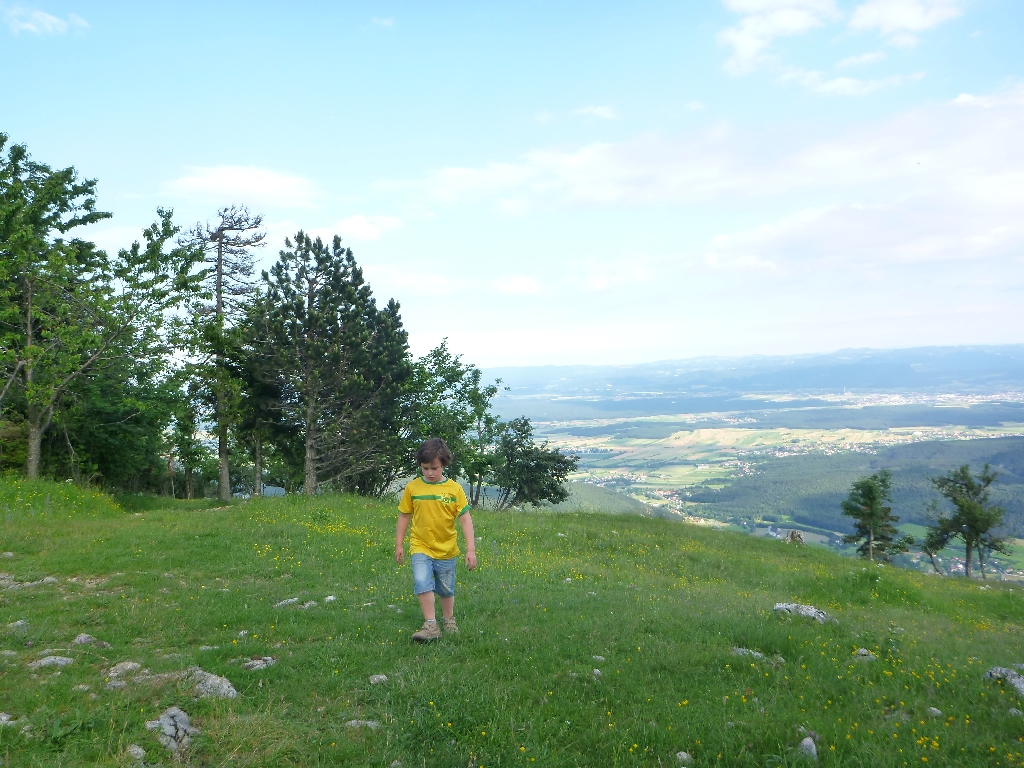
{"type": "Point", "coordinates": [664, 603]}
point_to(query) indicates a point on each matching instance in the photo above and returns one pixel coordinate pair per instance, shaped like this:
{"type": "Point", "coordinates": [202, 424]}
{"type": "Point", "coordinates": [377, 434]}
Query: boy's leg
{"type": "Point", "coordinates": [423, 585]}
{"type": "Point", "coordinates": [448, 607]}
{"type": "Point", "coordinates": [427, 605]}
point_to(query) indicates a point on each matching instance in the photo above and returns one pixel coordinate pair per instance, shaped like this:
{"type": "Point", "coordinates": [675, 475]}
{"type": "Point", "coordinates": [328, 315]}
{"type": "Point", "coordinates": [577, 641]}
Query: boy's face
{"type": "Point", "coordinates": [432, 472]}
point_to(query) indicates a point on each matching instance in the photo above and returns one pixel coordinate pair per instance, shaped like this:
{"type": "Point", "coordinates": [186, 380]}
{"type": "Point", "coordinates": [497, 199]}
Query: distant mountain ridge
{"type": "Point", "coordinates": [963, 369]}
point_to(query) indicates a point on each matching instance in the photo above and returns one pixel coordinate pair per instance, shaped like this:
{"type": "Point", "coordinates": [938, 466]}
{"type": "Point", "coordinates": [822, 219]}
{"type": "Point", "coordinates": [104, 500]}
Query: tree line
{"type": "Point", "coordinates": [171, 367]}
{"type": "Point", "coordinates": [970, 518]}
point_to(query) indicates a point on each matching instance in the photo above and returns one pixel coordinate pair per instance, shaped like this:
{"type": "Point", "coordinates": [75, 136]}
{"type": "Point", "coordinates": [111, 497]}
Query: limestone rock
{"type": "Point", "coordinates": [599, 658]}
{"type": "Point", "coordinates": [135, 752]}
{"type": "Point", "coordinates": [287, 601]}
{"type": "Point", "coordinates": [1013, 678]}
{"type": "Point", "coordinates": [83, 639]}
{"type": "Point", "coordinates": [209, 685]}
{"type": "Point", "coordinates": [306, 606]}
{"type": "Point", "coordinates": [934, 712]}
{"type": "Point", "coordinates": [174, 729]}
{"type": "Point", "coordinates": [863, 654]}
{"type": "Point", "coordinates": [371, 724]}
{"type": "Point", "coordinates": [1014, 712]}
{"type": "Point", "coordinates": [114, 685]}
{"type": "Point", "coordinates": [375, 679]}
{"type": "Point", "coordinates": [259, 662]}
{"type": "Point", "coordinates": [124, 668]}
{"type": "Point", "coordinates": [809, 748]}
{"type": "Point", "coordinates": [51, 661]}
{"type": "Point", "coordinates": [684, 758]}
{"type": "Point", "coordinates": [597, 673]}
{"type": "Point", "coordinates": [805, 611]}
{"type": "Point", "coordinates": [17, 624]}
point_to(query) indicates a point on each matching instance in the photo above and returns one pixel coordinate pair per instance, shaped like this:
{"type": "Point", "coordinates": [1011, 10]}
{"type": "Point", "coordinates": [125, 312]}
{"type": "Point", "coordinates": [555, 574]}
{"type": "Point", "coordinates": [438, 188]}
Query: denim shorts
{"type": "Point", "coordinates": [430, 575]}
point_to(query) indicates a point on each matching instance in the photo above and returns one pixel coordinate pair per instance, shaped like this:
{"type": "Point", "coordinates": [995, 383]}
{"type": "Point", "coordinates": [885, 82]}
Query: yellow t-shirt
{"type": "Point", "coordinates": [434, 507]}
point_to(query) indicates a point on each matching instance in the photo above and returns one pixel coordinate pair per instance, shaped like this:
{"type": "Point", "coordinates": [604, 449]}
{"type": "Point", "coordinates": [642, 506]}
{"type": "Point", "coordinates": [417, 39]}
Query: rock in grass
{"type": "Point", "coordinates": [259, 662]}
{"type": "Point", "coordinates": [808, 747]}
{"type": "Point", "coordinates": [83, 639]}
{"type": "Point", "coordinates": [375, 679]}
{"type": "Point", "coordinates": [863, 654]}
{"type": "Point", "coordinates": [209, 685]}
{"type": "Point", "coordinates": [114, 685]}
{"type": "Point", "coordinates": [1013, 678]}
{"type": "Point", "coordinates": [17, 624]}
{"type": "Point", "coordinates": [684, 758]}
{"type": "Point", "coordinates": [934, 712]}
{"type": "Point", "coordinates": [175, 730]}
{"type": "Point", "coordinates": [51, 661]}
{"type": "Point", "coordinates": [5, 718]}
{"type": "Point", "coordinates": [1014, 712]}
{"type": "Point", "coordinates": [124, 668]}
{"type": "Point", "coordinates": [804, 611]}
{"type": "Point", "coordinates": [135, 752]}
{"type": "Point", "coordinates": [597, 673]}
{"type": "Point", "coordinates": [287, 601]}
{"type": "Point", "coordinates": [371, 724]}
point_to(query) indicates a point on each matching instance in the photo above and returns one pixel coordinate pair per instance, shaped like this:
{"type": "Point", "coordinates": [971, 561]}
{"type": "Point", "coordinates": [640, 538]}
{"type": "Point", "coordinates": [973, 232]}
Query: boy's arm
{"type": "Point", "coordinates": [400, 530]}
{"type": "Point", "coordinates": [467, 530]}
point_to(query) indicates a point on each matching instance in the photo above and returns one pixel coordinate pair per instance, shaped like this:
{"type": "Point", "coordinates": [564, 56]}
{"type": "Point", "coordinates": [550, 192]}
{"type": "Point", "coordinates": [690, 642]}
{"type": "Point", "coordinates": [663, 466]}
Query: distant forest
{"type": "Point", "coordinates": [810, 488]}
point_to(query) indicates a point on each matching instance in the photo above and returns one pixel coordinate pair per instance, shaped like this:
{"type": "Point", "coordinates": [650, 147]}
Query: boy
{"type": "Point", "coordinates": [432, 503]}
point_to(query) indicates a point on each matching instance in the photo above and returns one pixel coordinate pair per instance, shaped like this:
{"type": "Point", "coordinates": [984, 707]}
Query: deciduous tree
{"type": "Point", "coordinates": [527, 473]}
{"type": "Point", "coordinates": [67, 306]}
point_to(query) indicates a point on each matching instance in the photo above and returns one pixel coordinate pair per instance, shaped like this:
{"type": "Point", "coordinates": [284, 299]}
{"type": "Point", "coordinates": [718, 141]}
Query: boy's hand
{"type": "Point", "coordinates": [400, 554]}
{"type": "Point", "coordinates": [471, 560]}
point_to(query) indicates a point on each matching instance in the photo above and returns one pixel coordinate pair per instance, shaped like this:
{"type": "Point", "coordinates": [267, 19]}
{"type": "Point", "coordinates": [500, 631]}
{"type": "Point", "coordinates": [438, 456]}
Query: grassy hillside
{"type": "Point", "coordinates": [664, 604]}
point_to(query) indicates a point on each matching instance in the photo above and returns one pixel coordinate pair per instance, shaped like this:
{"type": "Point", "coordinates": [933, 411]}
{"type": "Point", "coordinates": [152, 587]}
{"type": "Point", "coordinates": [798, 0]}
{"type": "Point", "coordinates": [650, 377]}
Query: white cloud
{"type": "Point", "coordinates": [360, 227]}
{"type": "Point", "coordinates": [605, 112]}
{"type": "Point", "coordinates": [519, 285]}
{"type": "Point", "coordinates": [1011, 97]}
{"type": "Point", "coordinates": [844, 86]}
{"type": "Point", "coordinates": [942, 183]}
{"type": "Point", "coordinates": [861, 60]}
{"type": "Point", "coordinates": [900, 21]}
{"type": "Point", "coordinates": [244, 184]}
{"type": "Point", "coordinates": [37, 22]}
{"type": "Point", "coordinates": [382, 22]}
{"type": "Point", "coordinates": [764, 20]}
{"type": "Point", "coordinates": [694, 106]}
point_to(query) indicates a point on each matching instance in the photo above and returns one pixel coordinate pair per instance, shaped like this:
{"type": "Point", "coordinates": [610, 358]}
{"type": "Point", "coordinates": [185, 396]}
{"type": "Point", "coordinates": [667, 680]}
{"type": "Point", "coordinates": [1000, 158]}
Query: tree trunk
{"type": "Point", "coordinates": [309, 480]}
{"type": "Point", "coordinates": [188, 482]}
{"type": "Point", "coordinates": [35, 446]}
{"type": "Point", "coordinates": [935, 565]}
{"type": "Point", "coordinates": [223, 476]}
{"type": "Point", "coordinates": [981, 560]}
{"type": "Point", "coordinates": [257, 486]}
{"type": "Point", "coordinates": [967, 560]}
{"type": "Point", "coordinates": [871, 544]}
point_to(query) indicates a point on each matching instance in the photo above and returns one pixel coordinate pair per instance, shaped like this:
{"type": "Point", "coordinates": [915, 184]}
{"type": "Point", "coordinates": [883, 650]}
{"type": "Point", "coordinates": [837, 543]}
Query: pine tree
{"type": "Point", "coordinates": [874, 523]}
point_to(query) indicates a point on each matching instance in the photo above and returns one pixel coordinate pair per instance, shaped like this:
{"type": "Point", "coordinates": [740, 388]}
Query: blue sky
{"type": "Point", "coordinates": [568, 182]}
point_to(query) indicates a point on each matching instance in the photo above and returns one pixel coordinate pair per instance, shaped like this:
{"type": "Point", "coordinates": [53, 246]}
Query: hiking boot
{"type": "Point", "coordinates": [450, 626]}
{"type": "Point", "coordinates": [427, 633]}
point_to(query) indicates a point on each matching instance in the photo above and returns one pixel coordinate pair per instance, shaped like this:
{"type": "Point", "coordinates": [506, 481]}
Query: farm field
{"type": "Point", "coordinates": [586, 639]}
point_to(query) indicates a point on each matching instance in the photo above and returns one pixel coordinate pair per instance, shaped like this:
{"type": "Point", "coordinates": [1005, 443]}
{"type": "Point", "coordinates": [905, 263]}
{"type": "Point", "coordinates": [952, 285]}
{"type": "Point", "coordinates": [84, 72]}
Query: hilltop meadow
{"type": "Point", "coordinates": [586, 640]}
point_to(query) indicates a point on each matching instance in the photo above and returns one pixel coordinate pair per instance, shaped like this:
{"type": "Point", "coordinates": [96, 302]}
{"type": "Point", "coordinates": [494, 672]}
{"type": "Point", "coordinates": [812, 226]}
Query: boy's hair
{"type": "Point", "coordinates": [434, 448]}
